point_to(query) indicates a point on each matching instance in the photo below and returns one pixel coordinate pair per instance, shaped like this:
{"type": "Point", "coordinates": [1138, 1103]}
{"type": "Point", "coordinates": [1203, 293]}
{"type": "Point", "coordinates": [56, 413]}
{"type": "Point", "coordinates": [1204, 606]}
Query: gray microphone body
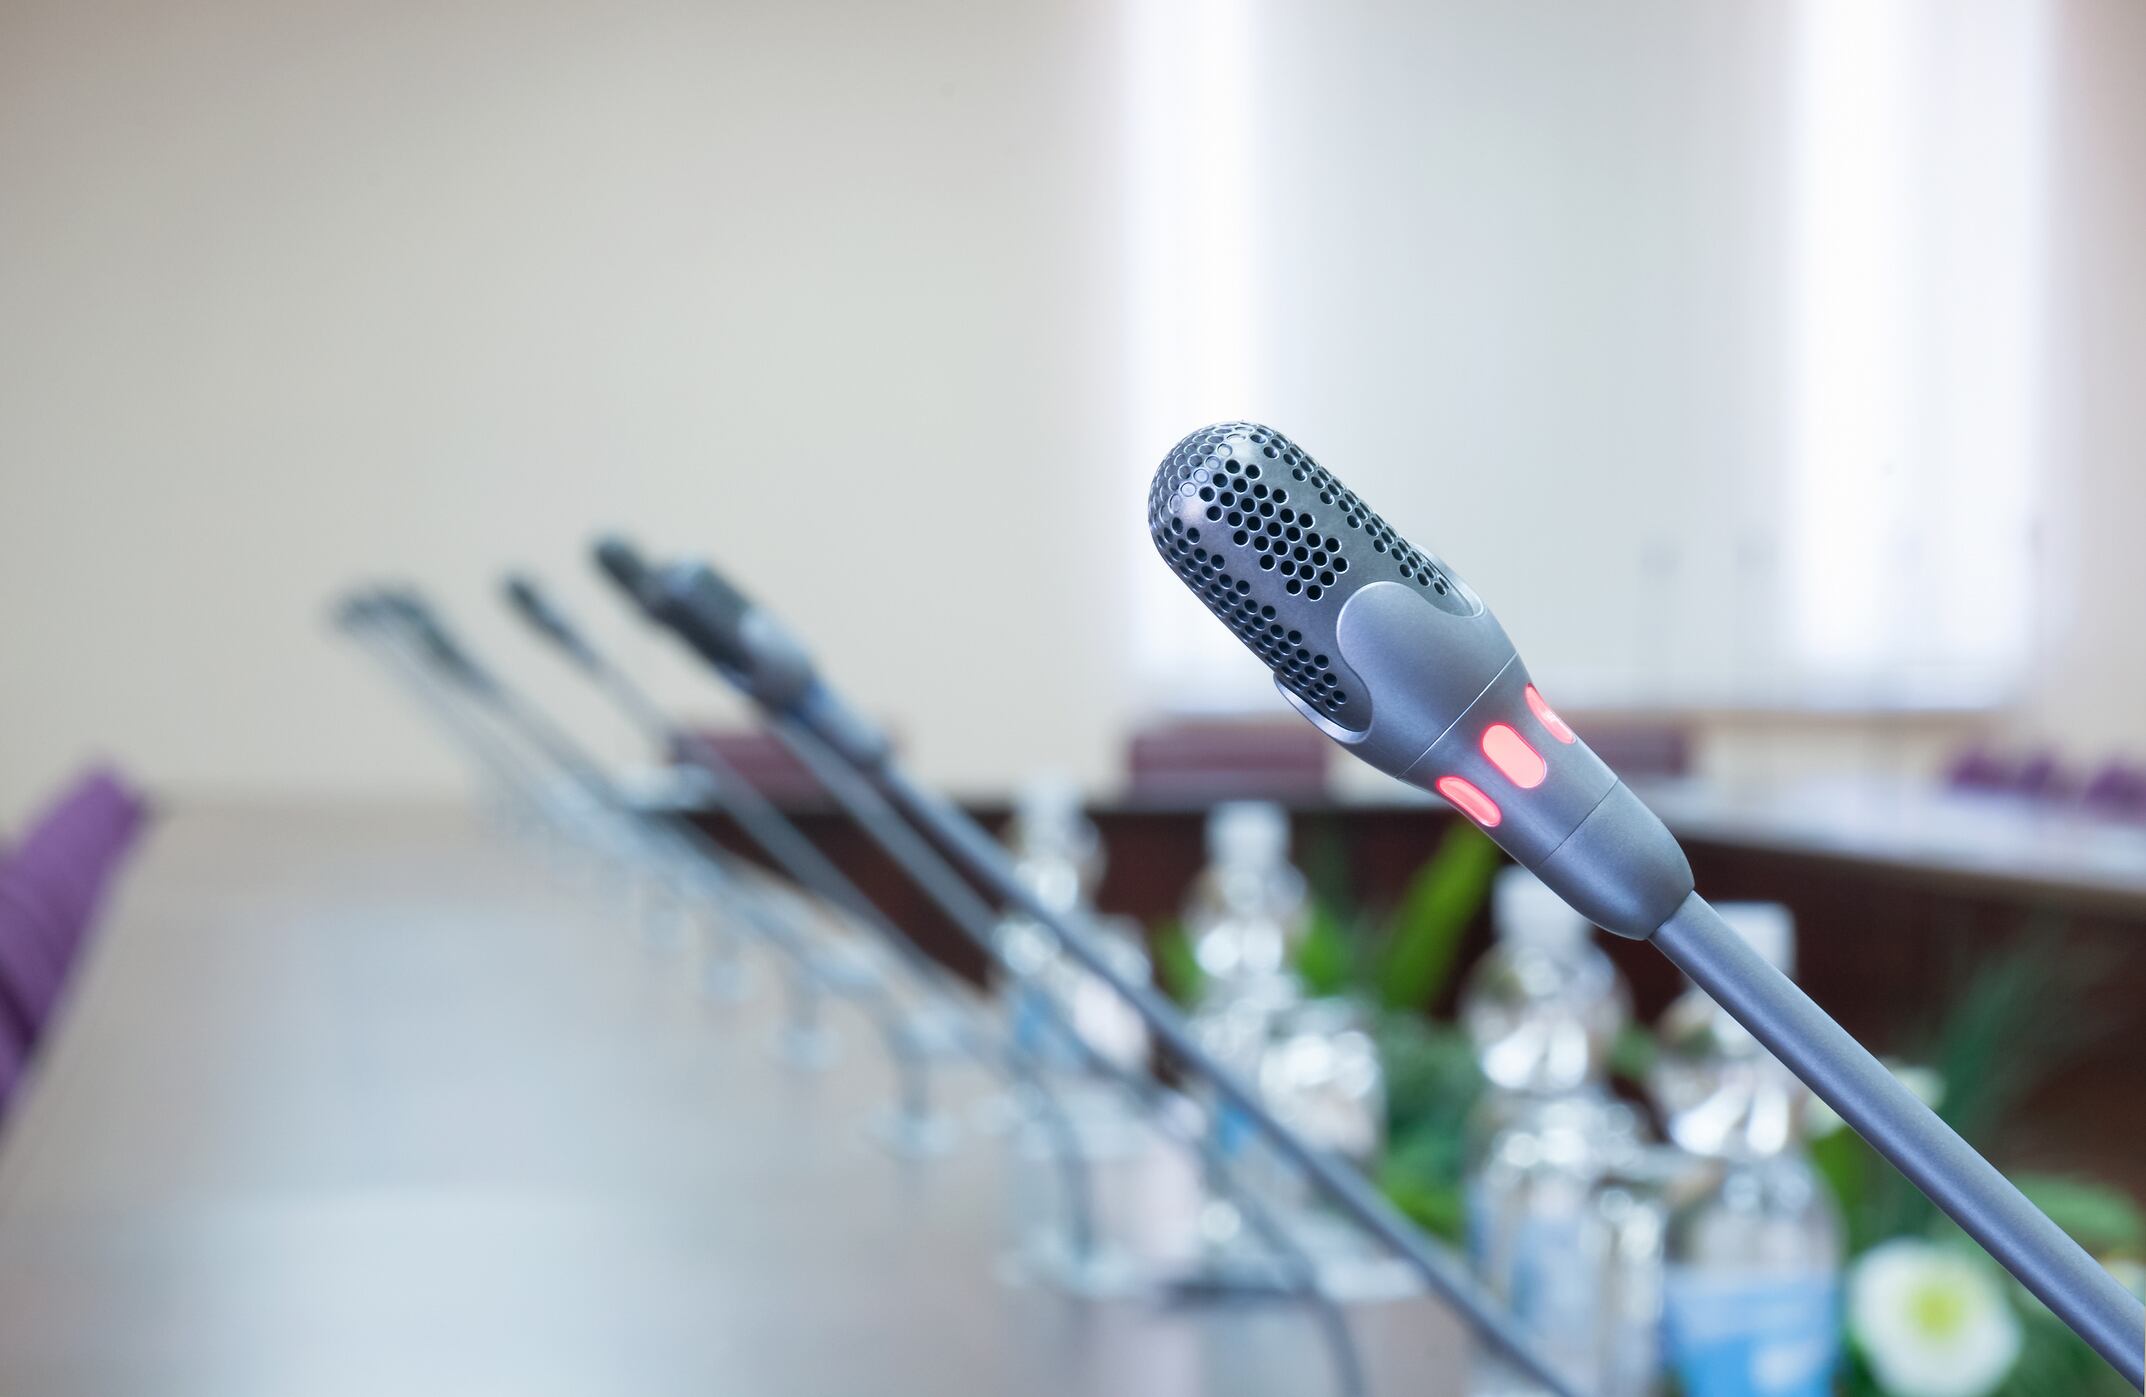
{"type": "Point", "coordinates": [1388, 652]}
{"type": "Point", "coordinates": [1385, 649]}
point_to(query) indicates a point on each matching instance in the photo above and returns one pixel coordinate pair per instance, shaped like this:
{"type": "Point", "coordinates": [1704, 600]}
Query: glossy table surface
{"type": "Point", "coordinates": [1939, 837]}
{"type": "Point", "coordinates": [374, 1102]}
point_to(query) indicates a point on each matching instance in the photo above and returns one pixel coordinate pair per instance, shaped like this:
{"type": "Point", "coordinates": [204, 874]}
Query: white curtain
{"type": "Point", "coordinates": [1702, 339]}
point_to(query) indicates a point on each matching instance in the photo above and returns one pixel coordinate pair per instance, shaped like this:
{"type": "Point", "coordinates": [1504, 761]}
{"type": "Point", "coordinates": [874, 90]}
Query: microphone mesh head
{"type": "Point", "coordinates": [1274, 545]}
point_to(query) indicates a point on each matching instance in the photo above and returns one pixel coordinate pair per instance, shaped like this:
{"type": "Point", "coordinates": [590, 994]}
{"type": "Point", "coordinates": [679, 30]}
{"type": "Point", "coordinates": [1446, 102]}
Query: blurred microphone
{"type": "Point", "coordinates": [1385, 649]}
{"type": "Point", "coordinates": [612, 822]}
{"type": "Point", "coordinates": [755, 652]}
{"type": "Point", "coordinates": [943, 1018]}
{"type": "Point", "coordinates": [788, 847]}
{"type": "Point", "coordinates": [536, 794]}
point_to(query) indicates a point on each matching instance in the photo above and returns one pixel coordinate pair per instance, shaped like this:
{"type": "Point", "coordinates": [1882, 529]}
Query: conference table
{"type": "Point", "coordinates": [382, 1101]}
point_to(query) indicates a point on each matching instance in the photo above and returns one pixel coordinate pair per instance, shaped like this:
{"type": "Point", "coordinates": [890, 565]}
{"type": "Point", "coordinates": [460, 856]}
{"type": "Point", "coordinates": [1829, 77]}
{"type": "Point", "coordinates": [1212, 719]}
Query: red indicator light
{"type": "Point", "coordinates": [1547, 716]}
{"type": "Point", "coordinates": [1509, 752]}
{"type": "Point", "coordinates": [1471, 802]}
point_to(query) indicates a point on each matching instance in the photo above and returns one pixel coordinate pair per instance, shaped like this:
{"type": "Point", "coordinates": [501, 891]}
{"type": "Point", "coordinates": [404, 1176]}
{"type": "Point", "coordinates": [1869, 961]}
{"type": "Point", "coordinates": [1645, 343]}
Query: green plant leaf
{"type": "Point", "coordinates": [1177, 969]}
{"type": "Point", "coordinates": [2099, 1218]}
{"type": "Point", "coordinates": [1325, 862]}
{"type": "Point", "coordinates": [2054, 1362]}
{"type": "Point", "coordinates": [1632, 1055]}
{"type": "Point", "coordinates": [1997, 1042]}
{"type": "Point", "coordinates": [1432, 1080]}
{"type": "Point", "coordinates": [1433, 916]}
{"type": "Point", "coordinates": [1860, 1181]}
{"type": "Point", "coordinates": [1436, 1207]}
{"type": "Point", "coordinates": [1993, 1043]}
{"type": "Point", "coordinates": [1325, 959]}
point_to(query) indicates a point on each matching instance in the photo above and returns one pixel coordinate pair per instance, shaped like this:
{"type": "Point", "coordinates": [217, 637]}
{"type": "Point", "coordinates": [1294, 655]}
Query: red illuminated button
{"type": "Point", "coordinates": [1547, 716]}
{"type": "Point", "coordinates": [1472, 802]}
{"type": "Point", "coordinates": [1509, 752]}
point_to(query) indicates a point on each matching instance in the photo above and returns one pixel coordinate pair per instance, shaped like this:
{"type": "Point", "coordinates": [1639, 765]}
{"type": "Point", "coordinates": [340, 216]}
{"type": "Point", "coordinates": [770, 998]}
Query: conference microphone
{"type": "Point", "coordinates": [1385, 649]}
{"type": "Point", "coordinates": [786, 846]}
{"type": "Point", "coordinates": [943, 1020]}
{"type": "Point", "coordinates": [382, 622]}
{"type": "Point", "coordinates": [615, 824]}
{"type": "Point", "coordinates": [750, 648]}
{"type": "Point", "coordinates": [532, 605]}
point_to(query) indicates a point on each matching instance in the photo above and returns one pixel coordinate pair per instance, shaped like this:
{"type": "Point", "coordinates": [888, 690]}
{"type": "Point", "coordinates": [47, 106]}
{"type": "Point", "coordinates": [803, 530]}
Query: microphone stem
{"type": "Point", "coordinates": [1900, 1127]}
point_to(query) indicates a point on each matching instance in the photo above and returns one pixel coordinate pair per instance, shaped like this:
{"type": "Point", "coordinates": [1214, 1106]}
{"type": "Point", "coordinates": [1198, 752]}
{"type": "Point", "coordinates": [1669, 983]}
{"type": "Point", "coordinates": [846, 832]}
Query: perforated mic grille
{"type": "Point", "coordinates": [1274, 545]}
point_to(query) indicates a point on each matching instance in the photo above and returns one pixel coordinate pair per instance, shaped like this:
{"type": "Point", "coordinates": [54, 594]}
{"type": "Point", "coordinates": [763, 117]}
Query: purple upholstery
{"type": "Point", "coordinates": [14, 1056]}
{"type": "Point", "coordinates": [2118, 791]}
{"type": "Point", "coordinates": [51, 883]}
{"type": "Point", "coordinates": [2037, 775]}
{"type": "Point", "coordinates": [62, 862]}
{"type": "Point", "coordinates": [31, 970]}
{"type": "Point", "coordinates": [1195, 759]}
{"type": "Point", "coordinates": [2043, 777]}
{"type": "Point", "coordinates": [1979, 769]}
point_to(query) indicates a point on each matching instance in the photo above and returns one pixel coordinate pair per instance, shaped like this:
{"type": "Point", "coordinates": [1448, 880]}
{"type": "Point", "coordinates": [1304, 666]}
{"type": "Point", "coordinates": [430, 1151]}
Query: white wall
{"type": "Point", "coordinates": [295, 295]}
{"type": "Point", "coordinates": [299, 295]}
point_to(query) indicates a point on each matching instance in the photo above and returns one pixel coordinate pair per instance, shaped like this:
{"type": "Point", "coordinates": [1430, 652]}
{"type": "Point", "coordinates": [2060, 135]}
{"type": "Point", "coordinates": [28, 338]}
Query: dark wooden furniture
{"type": "Point", "coordinates": [1898, 891]}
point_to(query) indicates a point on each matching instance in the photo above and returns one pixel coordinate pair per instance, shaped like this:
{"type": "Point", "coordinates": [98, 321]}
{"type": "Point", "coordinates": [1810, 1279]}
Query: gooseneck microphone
{"type": "Point", "coordinates": [372, 620]}
{"type": "Point", "coordinates": [803, 862]}
{"type": "Point", "coordinates": [811, 976]}
{"type": "Point", "coordinates": [1387, 651]}
{"type": "Point", "coordinates": [748, 646]}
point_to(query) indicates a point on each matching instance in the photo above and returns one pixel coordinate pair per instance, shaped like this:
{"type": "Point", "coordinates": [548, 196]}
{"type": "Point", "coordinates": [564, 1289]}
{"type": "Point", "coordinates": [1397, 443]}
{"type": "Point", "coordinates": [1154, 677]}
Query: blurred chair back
{"type": "Point", "coordinates": [32, 962]}
{"type": "Point", "coordinates": [2117, 791]}
{"type": "Point", "coordinates": [762, 761]}
{"type": "Point", "coordinates": [1977, 768]}
{"type": "Point", "coordinates": [51, 885]}
{"type": "Point", "coordinates": [64, 860]}
{"type": "Point", "coordinates": [1228, 759]}
{"type": "Point", "coordinates": [1638, 749]}
{"type": "Point", "coordinates": [14, 1056]}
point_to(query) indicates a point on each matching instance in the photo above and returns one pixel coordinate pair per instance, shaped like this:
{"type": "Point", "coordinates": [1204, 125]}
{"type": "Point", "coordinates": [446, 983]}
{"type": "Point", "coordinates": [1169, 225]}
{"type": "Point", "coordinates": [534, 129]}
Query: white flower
{"type": "Point", "coordinates": [1928, 1088]}
{"type": "Point", "coordinates": [1933, 1321]}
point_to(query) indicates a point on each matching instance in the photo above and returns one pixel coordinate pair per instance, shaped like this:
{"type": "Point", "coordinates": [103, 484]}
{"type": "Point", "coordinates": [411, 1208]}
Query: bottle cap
{"type": "Point", "coordinates": [1523, 909]}
{"type": "Point", "coordinates": [1247, 831]}
{"type": "Point", "coordinates": [1047, 814]}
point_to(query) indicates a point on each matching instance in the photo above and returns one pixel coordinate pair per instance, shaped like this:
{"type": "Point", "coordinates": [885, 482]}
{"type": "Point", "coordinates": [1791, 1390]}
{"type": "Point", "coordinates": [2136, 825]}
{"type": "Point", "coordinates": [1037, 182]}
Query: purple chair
{"type": "Point", "coordinates": [2117, 791]}
{"type": "Point", "coordinates": [2039, 775]}
{"type": "Point", "coordinates": [51, 883]}
{"type": "Point", "coordinates": [14, 1057]}
{"type": "Point", "coordinates": [63, 862]}
{"type": "Point", "coordinates": [2042, 776]}
{"type": "Point", "coordinates": [760, 760]}
{"type": "Point", "coordinates": [31, 968]}
{"type": "Point", "coordinates": [1203, 760]}
{"type": "Point", "coordinates": [1977, 768]}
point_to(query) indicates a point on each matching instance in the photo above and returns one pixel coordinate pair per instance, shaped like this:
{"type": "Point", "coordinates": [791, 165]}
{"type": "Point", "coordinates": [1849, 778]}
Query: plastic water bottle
{"type": "Point", "coordinates": [1143, 1191]}
{"type": "Point", "coordinates": [1751, 1291]}
{"type": "Point", "coordinates": [1544, 1005]}
{"type": "Point", "coordinates": [1632, 1201]}
{"type": "Point", "coordinates": [1056, 848]}
{"type": "Point", "coordinates": [1244, 914]}
{"type": "Point", "coordinates": [1249, 907]}
{"type": "Point", "coordinates": [1058, 855]}
{"type": "Point", "coordinates": [1543, 1008]}
{"type": "Point", "coordinates": [1320, 1076]}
